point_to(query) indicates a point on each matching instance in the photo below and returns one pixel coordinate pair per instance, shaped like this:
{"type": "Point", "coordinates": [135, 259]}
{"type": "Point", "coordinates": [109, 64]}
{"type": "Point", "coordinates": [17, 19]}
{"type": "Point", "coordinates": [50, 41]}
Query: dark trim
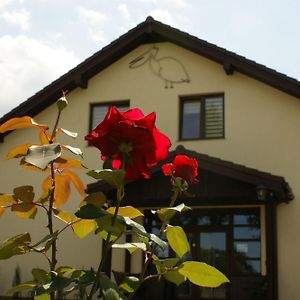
{"type": "Point", "coordinates": [149, 31]}
{"type": "Point", "coordinates": [228, 68]}
{"type": "Point", "coordinates": [271, 239]}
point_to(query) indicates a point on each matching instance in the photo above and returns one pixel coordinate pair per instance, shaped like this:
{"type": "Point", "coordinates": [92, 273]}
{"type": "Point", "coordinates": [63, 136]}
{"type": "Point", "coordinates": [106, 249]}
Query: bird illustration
{"type": "Point", "coordinates": [167, 68]}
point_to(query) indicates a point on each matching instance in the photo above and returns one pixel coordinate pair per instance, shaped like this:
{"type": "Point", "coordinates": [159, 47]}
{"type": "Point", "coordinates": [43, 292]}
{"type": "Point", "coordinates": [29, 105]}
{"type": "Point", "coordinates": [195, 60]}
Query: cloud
{"type": "Point", "coordinates": [17, 17]}
{"type": "Point", "coordinates": [91, 17]}
{"type": "Point", "coordinates": [4, 3]}
{"type": "Point", "coordinates": [26, 66]}
{"type": "Point", "coordinates": [95, 21]}
{"type": "Point", "coordinates": [124, 11]}
{"type": "Point", "coordinates": [162, 15]}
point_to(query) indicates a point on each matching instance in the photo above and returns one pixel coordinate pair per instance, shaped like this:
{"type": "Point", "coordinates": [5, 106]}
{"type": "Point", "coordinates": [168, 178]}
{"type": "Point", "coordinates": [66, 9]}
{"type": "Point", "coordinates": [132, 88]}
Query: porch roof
{"type": "Point", "coordinates": [220, 183]}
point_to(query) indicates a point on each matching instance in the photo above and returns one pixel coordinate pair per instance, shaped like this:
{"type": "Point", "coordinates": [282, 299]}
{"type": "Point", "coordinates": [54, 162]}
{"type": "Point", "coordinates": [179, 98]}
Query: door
{"type": "Point", "coordinates": [213, 250]}
{"type": "Point", "coordinates": [209, 246]}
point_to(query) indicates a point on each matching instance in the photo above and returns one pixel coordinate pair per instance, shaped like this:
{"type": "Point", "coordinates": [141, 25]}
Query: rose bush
{"type": "Point", "coordinates": [134, 144]}
{"type": "Point", "coordinates": [132, 138]}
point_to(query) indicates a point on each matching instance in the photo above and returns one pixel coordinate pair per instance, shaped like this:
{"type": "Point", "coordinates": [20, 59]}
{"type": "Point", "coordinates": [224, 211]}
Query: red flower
{"type": "Point", "coordinates": [184, 167]}
{"type": "Point", "coordinates": [132, 137]}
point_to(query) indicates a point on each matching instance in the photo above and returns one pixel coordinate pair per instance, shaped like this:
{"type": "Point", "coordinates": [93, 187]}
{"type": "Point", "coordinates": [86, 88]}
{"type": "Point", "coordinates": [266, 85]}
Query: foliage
{"type": "Point", "coordinates": [144, 147]}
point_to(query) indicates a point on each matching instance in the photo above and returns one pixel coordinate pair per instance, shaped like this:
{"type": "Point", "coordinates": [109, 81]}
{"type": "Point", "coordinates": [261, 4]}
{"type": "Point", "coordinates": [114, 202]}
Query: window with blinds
{"type": "Point", "coordinates": [99, 110]}
{"type": "Point", "coordinates": [202, 117]}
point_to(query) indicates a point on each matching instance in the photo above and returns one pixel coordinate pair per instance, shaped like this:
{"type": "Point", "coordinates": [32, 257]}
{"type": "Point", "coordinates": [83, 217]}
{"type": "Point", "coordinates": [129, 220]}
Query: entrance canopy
{"type": "Point", "coordinates": [220, 183]}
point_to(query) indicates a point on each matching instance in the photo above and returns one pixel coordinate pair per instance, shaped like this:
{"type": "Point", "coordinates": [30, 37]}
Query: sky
{"type": "Point", "coordinates": [41, 40]}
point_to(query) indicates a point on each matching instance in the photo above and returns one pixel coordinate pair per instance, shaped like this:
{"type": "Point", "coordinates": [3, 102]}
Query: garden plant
{"type": "Point", "coordinates": [130, 144]}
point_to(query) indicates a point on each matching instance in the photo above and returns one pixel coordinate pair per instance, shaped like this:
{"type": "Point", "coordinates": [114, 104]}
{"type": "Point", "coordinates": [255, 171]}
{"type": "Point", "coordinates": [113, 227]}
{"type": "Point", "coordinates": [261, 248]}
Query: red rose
{"type": "Point", "coordinates": [184, 167]}
{"type": "Point", "coordinates": [132, 137]}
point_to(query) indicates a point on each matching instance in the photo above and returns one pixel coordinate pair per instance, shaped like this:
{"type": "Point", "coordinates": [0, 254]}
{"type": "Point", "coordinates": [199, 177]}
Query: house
{"type": "Point", "coordinates": [238, 118]}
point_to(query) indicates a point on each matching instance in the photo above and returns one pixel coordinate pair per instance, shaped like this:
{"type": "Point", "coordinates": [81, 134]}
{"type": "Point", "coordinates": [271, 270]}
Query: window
{"type": "Point", "coordinates": [202, 117]}
{"type": "Point", "coordinates": [99, 110]}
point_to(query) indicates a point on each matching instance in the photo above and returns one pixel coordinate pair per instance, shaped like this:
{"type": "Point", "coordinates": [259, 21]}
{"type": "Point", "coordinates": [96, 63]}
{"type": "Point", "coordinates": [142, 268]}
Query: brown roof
{"type": "Point", "coordinates": [251, 177]}
{"type": "Point", "coordinates": [149, 31]}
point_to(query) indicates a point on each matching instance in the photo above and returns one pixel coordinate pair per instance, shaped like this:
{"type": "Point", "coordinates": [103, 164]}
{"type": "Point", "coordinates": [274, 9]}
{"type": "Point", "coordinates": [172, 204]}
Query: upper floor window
{"type": "Point", "coordinates": [99, 110]}
{"type": "Point", "coordinates": [202, 117]}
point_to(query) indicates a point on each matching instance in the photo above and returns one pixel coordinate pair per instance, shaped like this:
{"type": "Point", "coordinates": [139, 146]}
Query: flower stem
{"type": "Point", "coordinates": [53, 260]}
{"type": "Point", "coordinates": [106, 249]}
{"type": "Point", "coordinates": [149, 258]}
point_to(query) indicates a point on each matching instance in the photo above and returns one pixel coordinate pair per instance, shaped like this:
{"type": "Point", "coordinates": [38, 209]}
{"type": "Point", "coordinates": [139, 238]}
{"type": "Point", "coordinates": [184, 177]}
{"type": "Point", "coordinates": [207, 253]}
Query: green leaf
{"type": "Point", "coordinates": [177, 240]}
{"type": "Point", "coordinates": [165, 264]}
{"type": "Point", "coordinates": [65, 271]}
{"type": "Point", "coordinates": [140, 229]}
{"type": "Point", "coordinates": [98, 199]}
{"type": "Point", "coordinates": [166, 214]}
{"type": "Point", "coordinates": [87, 277]}
{"type": "Point", "coordinates": [113, 177]}
{"type": "Point", "coordinates": [45, 243]}
{"type": "Point", "coordinates": [41, 276]}
{"type": "Point", "coordinates": [58, 283]}
{"type": "Point", "coordinates": [21, 287]}
{"type": "Point", "coordinates": [105, 227]}
{"type": "Point", "coordinates": [41, 156]}
{"type": "Point", "coordinates": [174, 277]}
{"type": "Point", "coordinates": [129, 284]}
{"type": "Point", "coordinates": [16, 245]}
{"type": "Point", "coordinates": [110, 289]}
{"type": "Point", "coordinates": [131, 247]}
{"type": "Point", "coordinates": [90, 212]}
{"type": "Point", "coordinates": [202, 274]}
{"type": "Point", "coordinates": [24, 193]}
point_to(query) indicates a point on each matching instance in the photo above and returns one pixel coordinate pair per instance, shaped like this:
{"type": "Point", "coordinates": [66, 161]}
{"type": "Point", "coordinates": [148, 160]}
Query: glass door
{"type": "Point", "coordinates": [211, 247]}
{"type": "Point", "coordinates": [213, 250]}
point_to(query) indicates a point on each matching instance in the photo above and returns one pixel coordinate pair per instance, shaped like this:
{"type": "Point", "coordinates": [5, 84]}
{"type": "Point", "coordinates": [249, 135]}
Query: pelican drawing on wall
{"type": "Point", "coordinates": [167, 68]}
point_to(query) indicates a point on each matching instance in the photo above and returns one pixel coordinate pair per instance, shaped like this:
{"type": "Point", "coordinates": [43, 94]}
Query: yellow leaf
{"type": "Point", "coordinates": [63, 216]}
{"type": "Point", "coordinates": [7, 199]}
{"type": "Point", "coordinates": [83, 227]}
{"type": "Point", "coordinates": [70, 163]}
{"type": "Point", "coordinates": [177, 240]}
{"type": "Point", "coordinates": [18, 151]}
{"type": "Point", "coordinates": [44, 137]}
{"type": "Point", "coordinates": [62, 188]}
{"type": "Point", "coordinates": [25, 210]}
{"type": "Point", "coordinates": [22, 122]}
{"type": "Point", "coordinates": [202, 274]}
{"type": "Point", "coordinates": [76, 181]}
{"type": "Point", "coordinates": [42, 297]}
{"type": "Point", "coordinates": [126, 211]}
{"type": "Point", "coordinates": [2, 210]}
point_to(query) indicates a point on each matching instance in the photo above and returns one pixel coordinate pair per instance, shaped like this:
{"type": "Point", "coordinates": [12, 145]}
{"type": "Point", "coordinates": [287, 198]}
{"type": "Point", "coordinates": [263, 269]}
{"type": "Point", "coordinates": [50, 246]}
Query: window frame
{"type": "Point", "coordinates": [201, 98]}
{"type": "Point", "coordinates": [117, 103]}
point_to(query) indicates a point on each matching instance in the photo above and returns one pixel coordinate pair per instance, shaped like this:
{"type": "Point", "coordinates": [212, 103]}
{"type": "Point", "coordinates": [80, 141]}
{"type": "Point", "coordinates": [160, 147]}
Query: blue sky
{"type": "Point", "coordinates": [42, 39]}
